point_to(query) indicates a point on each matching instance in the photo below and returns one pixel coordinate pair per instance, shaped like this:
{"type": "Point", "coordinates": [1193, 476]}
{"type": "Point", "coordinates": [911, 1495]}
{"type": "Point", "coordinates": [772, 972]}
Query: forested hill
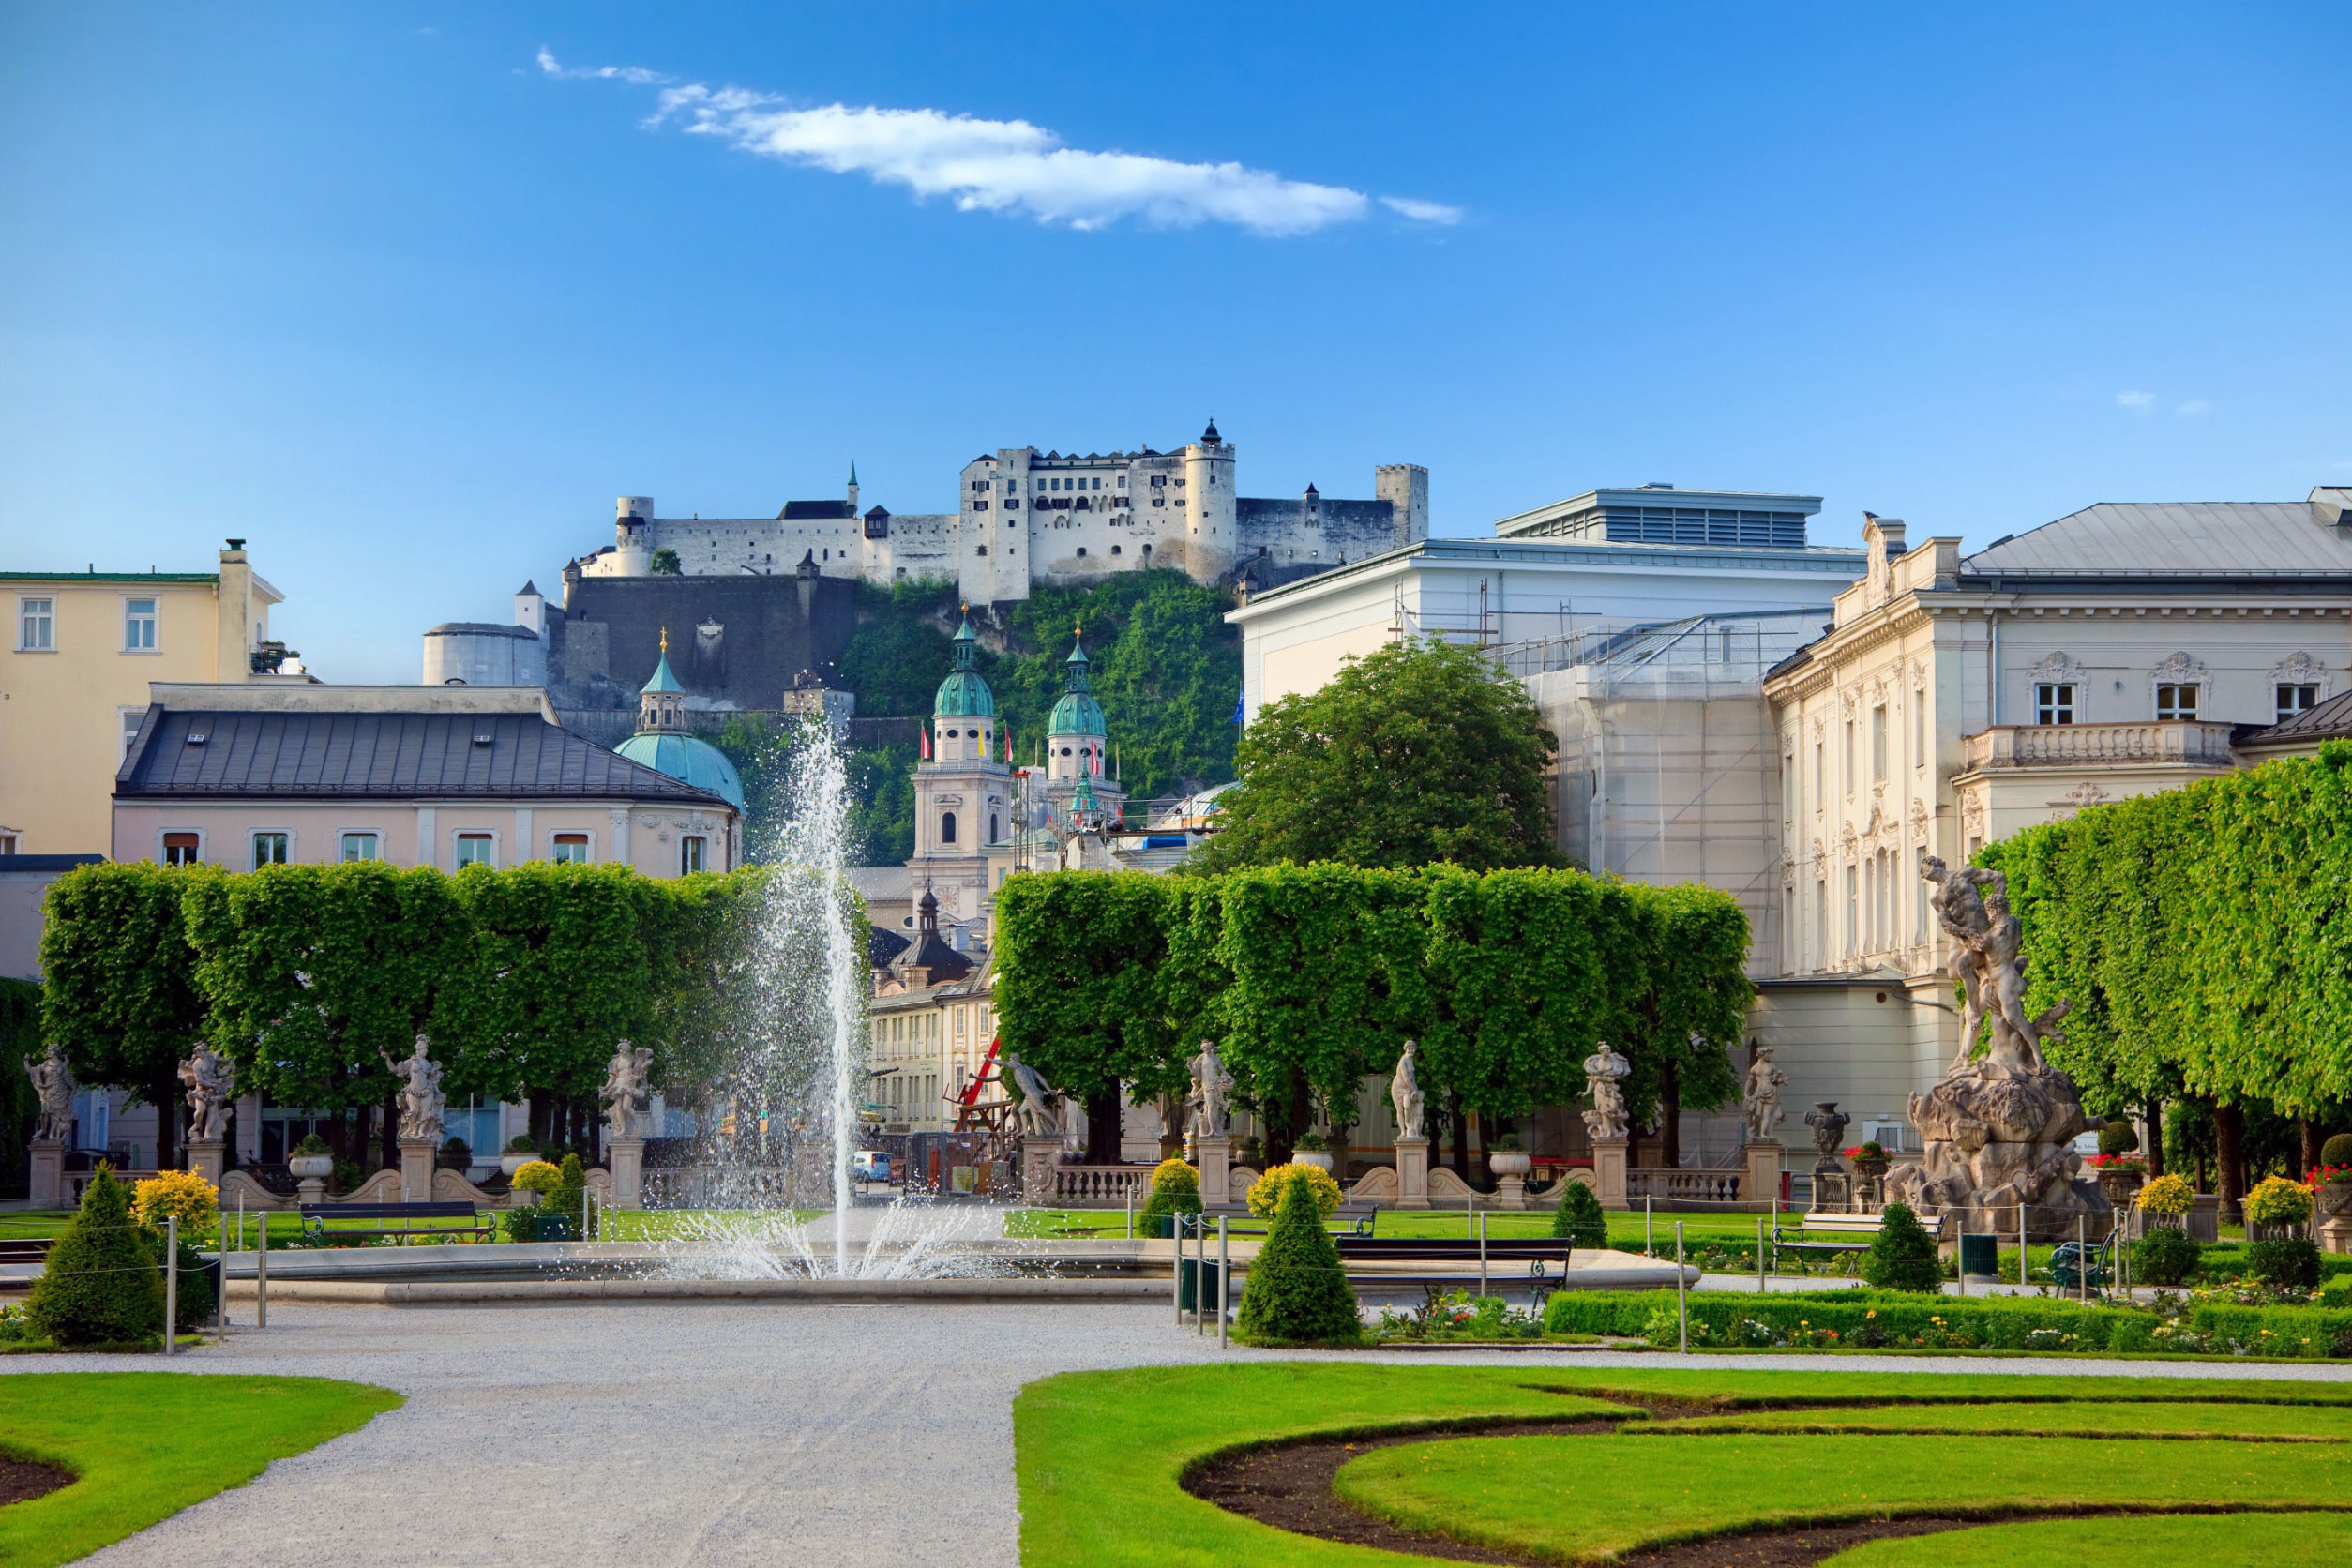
{"type": "Point", "coordinates": [1165, 668]}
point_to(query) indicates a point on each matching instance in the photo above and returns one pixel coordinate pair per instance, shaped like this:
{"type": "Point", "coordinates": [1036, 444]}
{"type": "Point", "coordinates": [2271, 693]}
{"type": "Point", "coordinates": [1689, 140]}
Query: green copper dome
{"type": "Point", "coordinates": [964, 694]}
{"type": "Point", "coordinates": [1078, 713]}
{"type": "Point", "coordinates": [689, 760]}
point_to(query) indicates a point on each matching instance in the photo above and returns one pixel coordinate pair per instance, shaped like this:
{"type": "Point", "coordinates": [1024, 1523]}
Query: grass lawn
{"type": "Point", "coordinates": [145, 1445]}
{"type": "Point", "coordinates": [1099, 1457]}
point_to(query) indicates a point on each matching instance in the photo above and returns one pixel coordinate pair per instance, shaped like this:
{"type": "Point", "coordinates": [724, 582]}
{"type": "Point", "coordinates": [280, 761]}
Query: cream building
{"type": "Point", "coordinates": [84, 649]}
{"type": "Point", "coordinates": [1957, 699]}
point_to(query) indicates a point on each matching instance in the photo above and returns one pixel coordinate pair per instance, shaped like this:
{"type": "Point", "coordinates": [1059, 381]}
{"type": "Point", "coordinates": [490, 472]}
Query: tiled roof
{"type": "Point", "coordinates": [381, 756]}
{"type": "Point", "coordinates": [2326, 721]}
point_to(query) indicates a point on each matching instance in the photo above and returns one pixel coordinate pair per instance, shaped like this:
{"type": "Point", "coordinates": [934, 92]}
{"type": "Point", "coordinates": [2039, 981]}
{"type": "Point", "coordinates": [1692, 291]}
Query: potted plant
{"type": "Point", "coordinates": [2332, 1183]}
{"type": "Point", "coordinates": [1505, 1157]}
{"type": "Point", "coordinates": [1869, 1158]}
{"type": "Point", "coordinates": [1312, 1149]}
{"type": "Point", "coordinates": [311, 1160]}
{"type": "Point", "coordinates": [521, 1150]}
{"type": "Point", "coordinates": [2166, 1199]}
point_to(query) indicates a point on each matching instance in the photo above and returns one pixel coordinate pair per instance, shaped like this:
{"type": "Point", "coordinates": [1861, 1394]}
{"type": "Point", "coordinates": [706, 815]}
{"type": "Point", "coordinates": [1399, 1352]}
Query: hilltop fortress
{"type": "Point", "coordinates": [1025, 517]}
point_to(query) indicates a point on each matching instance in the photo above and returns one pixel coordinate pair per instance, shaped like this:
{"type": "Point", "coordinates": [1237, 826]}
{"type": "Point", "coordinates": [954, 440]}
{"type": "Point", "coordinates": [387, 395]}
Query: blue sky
{"type": "Point", "coordinates": [377, 289]}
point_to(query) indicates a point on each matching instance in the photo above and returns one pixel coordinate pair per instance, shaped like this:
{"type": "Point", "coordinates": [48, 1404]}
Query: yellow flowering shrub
{"type": "Point", "coordinates": [1265, 1193]}
{"type": "Point", "coordinates": [536, 1176]}
{"type": "Point", "coordinates": [181, 1193]}
{"type": "Point", "coordinates": [2276, 1200]}
{"type": "Point", "coordinates": [2167, 1194]}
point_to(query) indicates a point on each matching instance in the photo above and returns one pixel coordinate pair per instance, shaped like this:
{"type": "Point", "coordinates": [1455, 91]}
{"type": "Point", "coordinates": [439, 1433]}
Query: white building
{"type": "Point", "coordinates": [1025, 517]}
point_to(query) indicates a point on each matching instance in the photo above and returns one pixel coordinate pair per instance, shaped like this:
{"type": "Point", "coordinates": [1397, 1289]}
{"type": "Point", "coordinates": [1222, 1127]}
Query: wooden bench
{"type": "Point", "coordinates": [1847, 1226]}
{"type": "Point", "coordinates": [28, 1249]}
{"type": "Point", "coordinates": [316, 1215]}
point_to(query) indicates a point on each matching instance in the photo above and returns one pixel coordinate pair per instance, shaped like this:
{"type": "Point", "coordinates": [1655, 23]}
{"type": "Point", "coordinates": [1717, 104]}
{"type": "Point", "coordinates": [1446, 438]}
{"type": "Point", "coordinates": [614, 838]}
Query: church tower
{"type": "Point", "coordinates": [1077, 745]}
{"type": "Point", "coordinates": [963, 789]}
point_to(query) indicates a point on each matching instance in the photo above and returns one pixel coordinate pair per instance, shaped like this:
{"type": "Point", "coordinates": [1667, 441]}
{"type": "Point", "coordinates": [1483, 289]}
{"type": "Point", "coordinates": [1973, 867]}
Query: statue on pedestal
{"type": "Point", "coordinates": [1043, 1111]}
{"type": "Point", "coordinates": [625, 1094]}
{"type": "Point", "coordinates": [1210, 1100]}
{"type": "Point", "coordinates": [211, 1087]}
{"type": "Point", "coordinates": [1404, 1091]}
{"type": "Point", "coordinates": [1999, 1128]}
{"type": "Point", "coordinates": [53, 1088]}
{"type": "Point", "coordinates": [1608, 1118]}
{"type": "Point", "coordinates": [1759, 1100]}
{"type": "Point", "coordinates": [421, 1100]}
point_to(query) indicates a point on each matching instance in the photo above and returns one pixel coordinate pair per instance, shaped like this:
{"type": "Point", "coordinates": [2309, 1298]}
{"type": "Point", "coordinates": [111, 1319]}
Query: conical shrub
{"type": "Point", "coordinates": [1296, 1289]}
{"type": "Point", "coordinates": [102, 1286]}
{"type": "Point", "coordinates": [1578, 1219]}
{"type": "Point", "coordinates": [1901, 1256]}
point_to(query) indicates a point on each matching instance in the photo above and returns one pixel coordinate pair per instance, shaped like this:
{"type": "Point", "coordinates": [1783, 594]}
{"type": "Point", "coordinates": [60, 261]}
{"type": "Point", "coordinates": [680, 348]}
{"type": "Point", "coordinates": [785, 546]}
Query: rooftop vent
{"type": "Point", "coordinates": [481, 737]}
{"type": "Point", "coordinates": [195, 737]}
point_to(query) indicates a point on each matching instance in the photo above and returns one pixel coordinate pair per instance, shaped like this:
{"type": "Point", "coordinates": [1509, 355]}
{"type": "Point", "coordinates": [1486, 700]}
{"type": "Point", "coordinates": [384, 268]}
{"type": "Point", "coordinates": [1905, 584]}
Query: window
{"type": "Point", "coordinates": [269, 849]}
{"type": "Point", "coordinates": [7, 843]}
{"type": "Point", "coordinates": [2294, 700]}
{"type": "Point", "coordinates": [1849, 756]}
{"type": "Point", "coordinates": [995, 834]}
{"type": "Point", "coordinates": [357, 846]}
{"type": "Point", "coordinates": [477, 849]}
{"type": "Point", "coordinates": [1853, 908]}
{"type": "Point", "coordinates": [131, 718]}
{"type": "Point", "coordinates": [138, 626]}
{"type": "Point", "coordinates": [2054, 703]}
{"type": "Point", "coordinates": [1868, 939]}
{"type": "Point", "coordinates": [181, 849]}
{"type": "Point", "coordinates": [947, 827]}
{"type": "Point", "coordinates": [2177, 703]}
{"type": "Point", "coordinates": [1879, 742]}
{"type": "Point", "coordinates": [1918, 729]}
{"type": "Point", "coordinates": [571, 849]}
{"type": "Point", "coordinates": [690, 853]}
{"type": "Point", "coordinates": [37, 625]}
{"type": "Point", "coordinates": [1821, 922]}
{"type": "Point", "coordinates": [1820, 776]}
{"type": "Point", "coordinates": [1919, 911]}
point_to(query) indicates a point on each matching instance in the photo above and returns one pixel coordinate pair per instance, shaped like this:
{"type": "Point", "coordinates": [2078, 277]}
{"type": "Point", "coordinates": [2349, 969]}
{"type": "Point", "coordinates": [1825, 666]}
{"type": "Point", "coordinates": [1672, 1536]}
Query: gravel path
{"type": "Point", "coordinates": [723, 1434]}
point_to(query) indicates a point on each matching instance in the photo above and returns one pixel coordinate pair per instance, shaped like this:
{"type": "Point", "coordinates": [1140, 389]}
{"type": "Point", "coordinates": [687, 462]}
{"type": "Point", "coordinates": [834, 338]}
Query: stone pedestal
{"type": "Point", "coordinates": [626, 1156]}
{"type": "Point", "coordinates": [208, 1157]}
{"type": "Point", "coordinates": [1412, 1173]}
{"type": "Point", "coordinates": [1609, 1171]}
{"type": "Point", "coordinates": [1510, 1192]}
{"type": "Point", "coordinates": [2335, 1235]}
{"type": "Point", "coordinates": [1762, 1186]}
{"type": "Point", "coordinates": [417, 1169]}
{"type": "Point", "coordinates": [49, 1173]}
{"type": "Point", "coordinates": [1216, 1168]}
{"type": "Point", "coordinates": [309, 1190]}
{"type": "Point", "coordinates": [1038, 1158]}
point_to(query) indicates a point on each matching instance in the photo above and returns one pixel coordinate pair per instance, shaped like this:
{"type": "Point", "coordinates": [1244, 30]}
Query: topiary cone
{"type": "Point", "coordinates": [1578, 1219]}
{"type": "Point", "coordinates": [1902, 1255]}
{"type": "Point", "coordinates": [1297, 1289]}
{"type": "Point", "coordinates": [102, 1286]}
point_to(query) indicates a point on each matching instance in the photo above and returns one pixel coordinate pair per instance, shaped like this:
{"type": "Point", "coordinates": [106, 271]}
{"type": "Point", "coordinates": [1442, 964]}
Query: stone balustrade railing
{"type": "Point", "coordinates": [1684, 1186]}
{"type": "Point", "coordinates": [2047, 745]}
{"type": "Point", "coordinates": [1077, 1186]}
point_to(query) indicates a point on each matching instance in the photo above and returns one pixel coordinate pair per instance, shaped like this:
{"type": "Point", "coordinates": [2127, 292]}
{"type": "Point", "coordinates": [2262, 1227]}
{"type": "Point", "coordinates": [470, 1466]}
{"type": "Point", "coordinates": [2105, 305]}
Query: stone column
{"type": "Point", "coordinates": [207, 1157]}
{"type": "Point", "coordinates": [1510, 1192]}
{"type": "Point", "coordinates": [1763, 1184]}
{"type": "Point", "coordinates": [626, 1156]}
{"type": "Point", "coordinates": [417, 1169]}
{"type": "Point", "coordinates": [49, 1173]}
{"type": "Point", "coordinates": [1216, 1168]}
{"type": "Point", "coordinates": [1609, 1171]}
{"type": "Point", "coordinates": [1038, 1158]}
{"type": "Point", "coordinates": [1412, 1173]}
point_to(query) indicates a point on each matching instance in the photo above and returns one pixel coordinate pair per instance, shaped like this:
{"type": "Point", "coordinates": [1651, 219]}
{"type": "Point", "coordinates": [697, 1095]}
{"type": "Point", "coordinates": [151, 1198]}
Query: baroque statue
{"type": "Point", "coordinates": [211, 1087]}
{"type": "Point", "coordinates": [2000, 1128]}
{"type": "Point", "coordinates": [1404, 1091]}
{"type": "Point", "coordinates": [625, 1093]}
{"type": "Point", "coordinates": [1044, 1109]}
{"type": "Point", "coordinates": [1212, 1096]}
{"type": "Point", "coordinates": [53, 1088]}
{"type": "Point", "coordinates": [1608, 1120]}
{"type": "Point", "coordinates": [420, 1094]}
{"type": "Point", "coordinates": [1759, 1099]}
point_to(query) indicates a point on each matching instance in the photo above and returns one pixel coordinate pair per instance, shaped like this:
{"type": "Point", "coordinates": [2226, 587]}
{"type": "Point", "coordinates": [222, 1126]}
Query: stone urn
{"type": "Point", "coordinates": [2333, 1200]}
{"type": "Point", "coordinates": [1319, 1158]}
{"type": "Point", "coordinates": [310, 1168]}
{"type": "Point", "coordinates": [512, 1163]}
{"type": "Point", "coordinates": [1829, 1133]}
{"type": "Point", "coordinates": [2123, 1184]}
{"type": "Point", "coordinates": [1872, 1166]}
{"type": "Point", "coordinates": [1510, 1162]}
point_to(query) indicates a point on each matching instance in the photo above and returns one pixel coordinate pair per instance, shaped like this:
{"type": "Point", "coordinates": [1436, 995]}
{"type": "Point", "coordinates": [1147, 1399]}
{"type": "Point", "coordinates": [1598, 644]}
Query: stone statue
{"type": "Point", "coordinates": [1210, 1100]}
{"type": "Point", "coordinates": [211, 1087]}
{"type": "Point", "coordinates": [625, 1093]}
{"type": "Point", "coordinates": [1999, 1128]}
{"type": "Point", "coordinates": [1608, 1118]}
{"type": "Point", "coordinates": [420, 1094]}
{"type": "Point", "coordinates": [53, 1086]}
{"type": "Point", "coordinates": [1404, 1090]}
{"type": "Point", "coordinates": [1759, 1101]}
{"type": "Point", "coordinates": [1043, 1110]}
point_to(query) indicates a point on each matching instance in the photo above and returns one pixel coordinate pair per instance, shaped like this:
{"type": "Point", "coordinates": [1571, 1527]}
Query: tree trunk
{"type": "Point", "coordinates": [2153, 1115]}
{"type": "Point", "coordinates": [2229, 1152]}
{"type": "Point", "coordinates": [164, 1094]}
{"type": "Point", "coordinates": [2313, 1135]}
{"type": "Point", "coordinates": [390, 1111]}
{"type": "Point", "coordinates": [1669, 1117]}
{"type": "Point", "coordinates": [542, 1115]}
{"type": "Point", "coordinates": [1460, 1121]}
{"type": "Point", "coordinates": [1102, 1127]}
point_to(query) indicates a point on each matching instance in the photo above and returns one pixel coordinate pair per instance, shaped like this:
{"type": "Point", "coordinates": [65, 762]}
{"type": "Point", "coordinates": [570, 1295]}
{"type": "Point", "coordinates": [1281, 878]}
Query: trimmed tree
{"type": "Point", "coordinates": [1297, 1292]}
{"type": "Point", "coordinates": [1901, 1256]}
{"type": "Point", "coordinates": [1578, 1219]}
{"type": "Point", "coordinates": [1175, 1190]}
{"type": "Point", "coordinates": [102, 1286]}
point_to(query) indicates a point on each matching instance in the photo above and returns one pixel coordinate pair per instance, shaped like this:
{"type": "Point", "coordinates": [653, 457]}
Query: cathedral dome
{"type": "Point", "coordinates": [963, 694]}
{"type": "Point", "coordinates": [690, 760]}
{"type": "Point", "coordinates": [1077, 712]}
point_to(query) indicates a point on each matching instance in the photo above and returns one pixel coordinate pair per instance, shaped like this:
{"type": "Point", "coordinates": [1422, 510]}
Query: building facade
{"type": "Point", "coordinates": [1025, 517]}
{"type": "Point", "coordinates": [84, 649]}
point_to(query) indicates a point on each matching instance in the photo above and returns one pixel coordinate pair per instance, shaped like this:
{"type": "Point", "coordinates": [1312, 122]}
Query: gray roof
{"type": "Point", "coordinates": [2143, 540]}
{"type": "Point", "coordinates": [482, 628]}
{"type": "Point", "coordinates": [2326, 721]}
{"type": "Point", "coordinates": [364, 756]}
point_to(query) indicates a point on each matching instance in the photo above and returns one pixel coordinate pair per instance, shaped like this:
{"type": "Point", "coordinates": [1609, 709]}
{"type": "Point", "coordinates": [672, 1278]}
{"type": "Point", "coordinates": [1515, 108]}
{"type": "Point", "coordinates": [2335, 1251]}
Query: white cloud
{"type": "Point", "coordinates": [2193, 408]}
{"type": "Point", "coordinates": [2139, 402]}
{"type": "Point", "coordinates": [1005, 166]}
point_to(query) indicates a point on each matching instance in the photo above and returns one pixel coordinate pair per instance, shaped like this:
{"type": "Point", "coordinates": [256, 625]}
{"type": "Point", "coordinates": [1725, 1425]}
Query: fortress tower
{"type": "Point", "coordinates": [962, 793]}
{"type": "Point", "coordinates": [1207, 498]}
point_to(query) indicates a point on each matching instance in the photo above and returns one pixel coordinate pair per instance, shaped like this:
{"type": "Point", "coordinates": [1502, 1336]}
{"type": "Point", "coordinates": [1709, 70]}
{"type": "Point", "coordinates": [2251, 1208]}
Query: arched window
{"type": "Point", "coordinates": [993, 834]}
{"type": "Point", "coordinates": [947, 827]}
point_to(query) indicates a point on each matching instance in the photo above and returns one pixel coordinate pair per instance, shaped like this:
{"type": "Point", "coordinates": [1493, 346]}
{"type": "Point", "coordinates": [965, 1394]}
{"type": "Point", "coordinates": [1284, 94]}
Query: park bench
{"type": "Point", "coordinates": [398, 1219]}
{"type": "Point", "coordinates": [1854, 1233]}
{"type": "Point", "coordinates": [2070, 1262]}
{"type": "Point", "coordinates": [26, 1249]}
